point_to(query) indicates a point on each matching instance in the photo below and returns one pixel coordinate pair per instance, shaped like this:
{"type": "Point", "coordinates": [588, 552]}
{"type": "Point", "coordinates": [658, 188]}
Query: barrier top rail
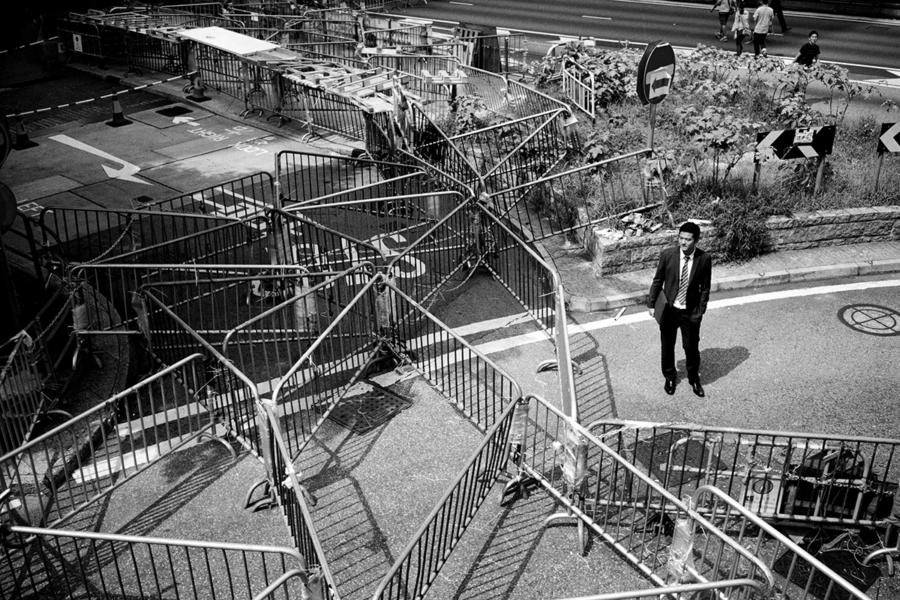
{"type": "Point", "coordinates": [299, 206]}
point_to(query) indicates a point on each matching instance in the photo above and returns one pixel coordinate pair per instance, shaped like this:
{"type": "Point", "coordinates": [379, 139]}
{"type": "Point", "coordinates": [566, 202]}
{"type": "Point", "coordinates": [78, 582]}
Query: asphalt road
{"type": "Point", "coordinates": [782, 359]}
{"type": "Point", "coordinates": [847, 40]}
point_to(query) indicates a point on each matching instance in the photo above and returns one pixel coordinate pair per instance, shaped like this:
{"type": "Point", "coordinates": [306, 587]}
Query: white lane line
{"type": "Point", "coordinates": [463, 3]}
{"type": "Point", "coordinates": [494, 347]}
{"type": "Point", "coordinates": [598, 18]}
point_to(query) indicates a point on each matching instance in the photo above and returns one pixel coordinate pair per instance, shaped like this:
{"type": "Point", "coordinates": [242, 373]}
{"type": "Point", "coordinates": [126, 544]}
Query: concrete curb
{"type": "Point", "coordinates": [744, 281]}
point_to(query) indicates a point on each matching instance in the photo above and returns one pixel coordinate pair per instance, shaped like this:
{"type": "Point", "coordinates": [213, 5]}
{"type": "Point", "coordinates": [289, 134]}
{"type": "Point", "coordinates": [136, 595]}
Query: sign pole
{"type": "Point", "coordinates": [878, 171]}
{"type": "Point", "coordinates": [820, 174]}
{"type": "Point", "coordinates": [652, 126]}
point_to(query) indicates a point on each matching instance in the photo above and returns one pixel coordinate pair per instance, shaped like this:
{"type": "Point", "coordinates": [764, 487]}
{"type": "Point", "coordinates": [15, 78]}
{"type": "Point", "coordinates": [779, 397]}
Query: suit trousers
{"type": "Point", "coordinates": [675, 319]}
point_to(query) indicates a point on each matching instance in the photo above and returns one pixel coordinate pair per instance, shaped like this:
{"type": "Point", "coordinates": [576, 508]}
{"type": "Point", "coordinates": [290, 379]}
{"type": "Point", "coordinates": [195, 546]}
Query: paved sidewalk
{"type": "Point", "coordinates": [586, 292]}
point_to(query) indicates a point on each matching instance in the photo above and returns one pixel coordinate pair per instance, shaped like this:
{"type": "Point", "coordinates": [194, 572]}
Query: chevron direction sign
{"type": "Point", "coordinates": [889, 141]}
{"type": "Point", "coordinates": [811, 142]}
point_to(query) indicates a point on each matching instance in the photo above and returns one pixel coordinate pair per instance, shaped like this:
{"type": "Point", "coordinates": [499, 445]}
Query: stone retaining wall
{"type": "Point", "coordinates": [803, 230]}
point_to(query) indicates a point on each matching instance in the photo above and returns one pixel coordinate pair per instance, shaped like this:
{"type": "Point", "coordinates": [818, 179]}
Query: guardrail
{"type": "Point", "coordinates": [54, 563]}
{"type": "Point", "coordinates": [61, 472]}
{"type": "Point", "coordinates": [781, 476]}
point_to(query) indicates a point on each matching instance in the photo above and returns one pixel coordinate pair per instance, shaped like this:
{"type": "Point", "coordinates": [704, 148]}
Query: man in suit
{"type": "Point", "coordinates": [683, 276]}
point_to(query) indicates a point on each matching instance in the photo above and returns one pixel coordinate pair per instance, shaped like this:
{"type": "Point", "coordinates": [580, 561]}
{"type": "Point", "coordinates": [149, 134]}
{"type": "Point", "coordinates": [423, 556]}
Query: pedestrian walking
{"type": "Point", "coordinates": [678, 298]}
{"type": "Point", "coordinates": [809, 52]}
{"type": "Point", "coordinates": [724, 7]}
{"type": "Point", "coordinates": [762, 20]}
{"type": "Point", "coordinates": [741, 28]}
{"type": "Point", "coordinates": [779, 12]}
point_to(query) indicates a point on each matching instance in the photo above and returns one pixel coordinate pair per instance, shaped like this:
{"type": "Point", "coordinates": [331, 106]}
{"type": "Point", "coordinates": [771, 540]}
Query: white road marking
{"type": "Point", "coordinates": [494, 347]}
{"type": "Point", "coordinates": [126, 173]}
{"type": "Point", "coordinates": [598, 18]}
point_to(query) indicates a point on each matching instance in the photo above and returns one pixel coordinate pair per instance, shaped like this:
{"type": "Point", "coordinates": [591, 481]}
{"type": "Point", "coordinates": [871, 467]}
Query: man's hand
{"type": "Point", "coordinates": [652, 313]}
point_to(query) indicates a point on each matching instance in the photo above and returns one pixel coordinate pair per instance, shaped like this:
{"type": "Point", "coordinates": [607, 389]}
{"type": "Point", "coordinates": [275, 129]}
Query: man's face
{"type": "Point", "coordinates": [813, 38]}
{"type": "Point", "coordinates": [686, 242]}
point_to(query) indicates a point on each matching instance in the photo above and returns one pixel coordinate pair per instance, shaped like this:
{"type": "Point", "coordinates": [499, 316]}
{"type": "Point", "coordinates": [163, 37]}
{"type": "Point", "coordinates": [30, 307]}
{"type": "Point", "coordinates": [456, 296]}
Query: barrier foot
{"type": "Point", "coordinates": [517, 487]}
{"type": "Point", "coordinates": [214, 438]}
{"type": "Point", "coordinates": [565, 515]}
{"type": "Point", "coordinates": [281, 119]}
{"type": "Point", "coordinates": [251, 112]}
{"type": "Point", "coordinates": [133, 69]}
{"type": "Point", "coordinates": [265, 501]}
{"type": "Point", "coordinates": [551, 364]}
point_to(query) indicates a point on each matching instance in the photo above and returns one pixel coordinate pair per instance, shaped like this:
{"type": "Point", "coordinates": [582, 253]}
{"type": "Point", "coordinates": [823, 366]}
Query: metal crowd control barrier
{"type": "Point", "coordinates": [88, 235]}
{"type": "Point", "coordinates": [707, 538]}
{"type": "Point", "coordinates": [569, 201]}
{"type": "Point", "coordinates": [22, 399]}
{"type": "Point", "coordinates": [303, 176]}
{"type": "Point", "coordinates": [223, 388]}
{"type": "Point", "coordinates": [312, 387]}
{"type": "Point", "coordinates": [442, 256]}
{"type": "Point", "coordinates": [530, 279]}
{"type": "Point", "coordinates": [781, 476]}
{"type": "Point", "coordinates": [265, 346]}
{"type": "Point", "coordinates": [238, 198]}
{"type": "Point", "coordinates": [421, 561]}
{"type": "Point", "coordinates": [480, 389]}
{"type": "Point", "coordinates": [577, 84]}
{"type": "Point", "coordinates": [388, 225]}
{"type": "Point", "coordinates": [62, 564]}
{"type": "Point", "coordinates": [291, 496]}
{"type": "Point", "coordinates": [59, 473]}
{"type": "Point", "coordinates": [109, 305]}
{"type": "Point", "coordinates": [81, 38]}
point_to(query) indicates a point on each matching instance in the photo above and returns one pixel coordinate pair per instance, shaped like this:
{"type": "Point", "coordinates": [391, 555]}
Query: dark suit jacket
{"type": "Point", "coordinates": [668, 272]}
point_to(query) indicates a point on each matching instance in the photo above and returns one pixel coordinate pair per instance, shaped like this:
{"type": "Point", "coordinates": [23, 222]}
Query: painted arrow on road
{"type": "Point", "coordinates": [180, 120]}
{"type": "Point", "coordinates": [889, 136]}
{"type": "Point", "coordinates": [126, 173]}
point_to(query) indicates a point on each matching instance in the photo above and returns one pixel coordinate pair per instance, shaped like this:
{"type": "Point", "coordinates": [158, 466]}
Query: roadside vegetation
{"type": "Point", "coordinates": [706, 133]}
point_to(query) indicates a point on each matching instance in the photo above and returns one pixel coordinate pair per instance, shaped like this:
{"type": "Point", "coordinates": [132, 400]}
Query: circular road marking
{"type": "Point", "coordinates": [871, 319]}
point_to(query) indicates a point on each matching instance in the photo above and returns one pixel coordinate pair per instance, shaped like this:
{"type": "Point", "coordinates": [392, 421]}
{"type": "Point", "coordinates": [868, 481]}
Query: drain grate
{"type": "Point", "coordinates": [363, 412]}
{"type": "Point", "coordinates": [174, 111]}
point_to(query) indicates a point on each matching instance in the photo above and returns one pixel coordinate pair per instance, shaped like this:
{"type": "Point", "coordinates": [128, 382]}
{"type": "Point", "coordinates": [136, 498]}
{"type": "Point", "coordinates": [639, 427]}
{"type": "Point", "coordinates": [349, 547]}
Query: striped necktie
{"type": "Point", "coordinates": [683, 282]}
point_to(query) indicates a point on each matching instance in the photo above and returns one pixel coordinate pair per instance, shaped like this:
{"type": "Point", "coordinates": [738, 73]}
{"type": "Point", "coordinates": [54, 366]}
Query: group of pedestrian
{"type": "Point", "coordinates": [762, 19]}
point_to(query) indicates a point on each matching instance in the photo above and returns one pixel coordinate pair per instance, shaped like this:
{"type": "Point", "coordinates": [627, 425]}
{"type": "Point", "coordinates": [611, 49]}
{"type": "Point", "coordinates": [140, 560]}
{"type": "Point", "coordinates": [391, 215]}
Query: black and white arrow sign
{"type": "Point", "coordinates": [810, 142]}
{"type": "Point", "coordinates": [889, 141]}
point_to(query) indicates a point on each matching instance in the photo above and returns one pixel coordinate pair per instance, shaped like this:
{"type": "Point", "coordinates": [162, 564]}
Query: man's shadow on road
{"type": "Point", "coordinates": [716, 363]}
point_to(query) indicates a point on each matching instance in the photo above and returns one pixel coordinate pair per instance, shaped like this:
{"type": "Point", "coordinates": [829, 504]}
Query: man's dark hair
{"type": "Point", "coordinates": [812, 33]}
{"type": "Point", "coordinates": [766, 2]}
{"type": "Point", "coordinates": [690, 227]}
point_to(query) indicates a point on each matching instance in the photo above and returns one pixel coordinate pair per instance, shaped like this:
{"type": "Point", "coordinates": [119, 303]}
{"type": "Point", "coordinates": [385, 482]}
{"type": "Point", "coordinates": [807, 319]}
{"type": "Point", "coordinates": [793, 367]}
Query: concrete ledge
{"type": "Point", "coordinates": [815, 273]}
{"type": "Point", "coordinates": [875, 267]}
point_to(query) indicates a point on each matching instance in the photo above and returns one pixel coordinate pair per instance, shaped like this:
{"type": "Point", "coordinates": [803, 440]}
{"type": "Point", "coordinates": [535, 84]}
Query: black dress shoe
{"type": "Point", "coordinates": [670, 386]}
{"type": "Point", "coordinates": [698, 389]}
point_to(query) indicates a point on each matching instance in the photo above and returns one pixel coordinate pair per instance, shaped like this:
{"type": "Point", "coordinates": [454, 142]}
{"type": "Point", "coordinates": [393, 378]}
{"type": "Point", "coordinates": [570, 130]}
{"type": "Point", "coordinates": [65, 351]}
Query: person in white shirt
{"type": "Point", "coordinates": [741, 28]}
{"type": "Point", "coordinates": [763, 22]}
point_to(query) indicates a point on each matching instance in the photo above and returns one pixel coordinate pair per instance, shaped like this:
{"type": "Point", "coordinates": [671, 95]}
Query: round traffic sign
{"type": "Point", "coordinates": [656, 72]}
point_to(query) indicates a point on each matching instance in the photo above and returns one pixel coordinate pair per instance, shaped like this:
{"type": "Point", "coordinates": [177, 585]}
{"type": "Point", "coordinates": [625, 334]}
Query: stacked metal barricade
{"type": "Point", "coordinates": [266, 301]}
